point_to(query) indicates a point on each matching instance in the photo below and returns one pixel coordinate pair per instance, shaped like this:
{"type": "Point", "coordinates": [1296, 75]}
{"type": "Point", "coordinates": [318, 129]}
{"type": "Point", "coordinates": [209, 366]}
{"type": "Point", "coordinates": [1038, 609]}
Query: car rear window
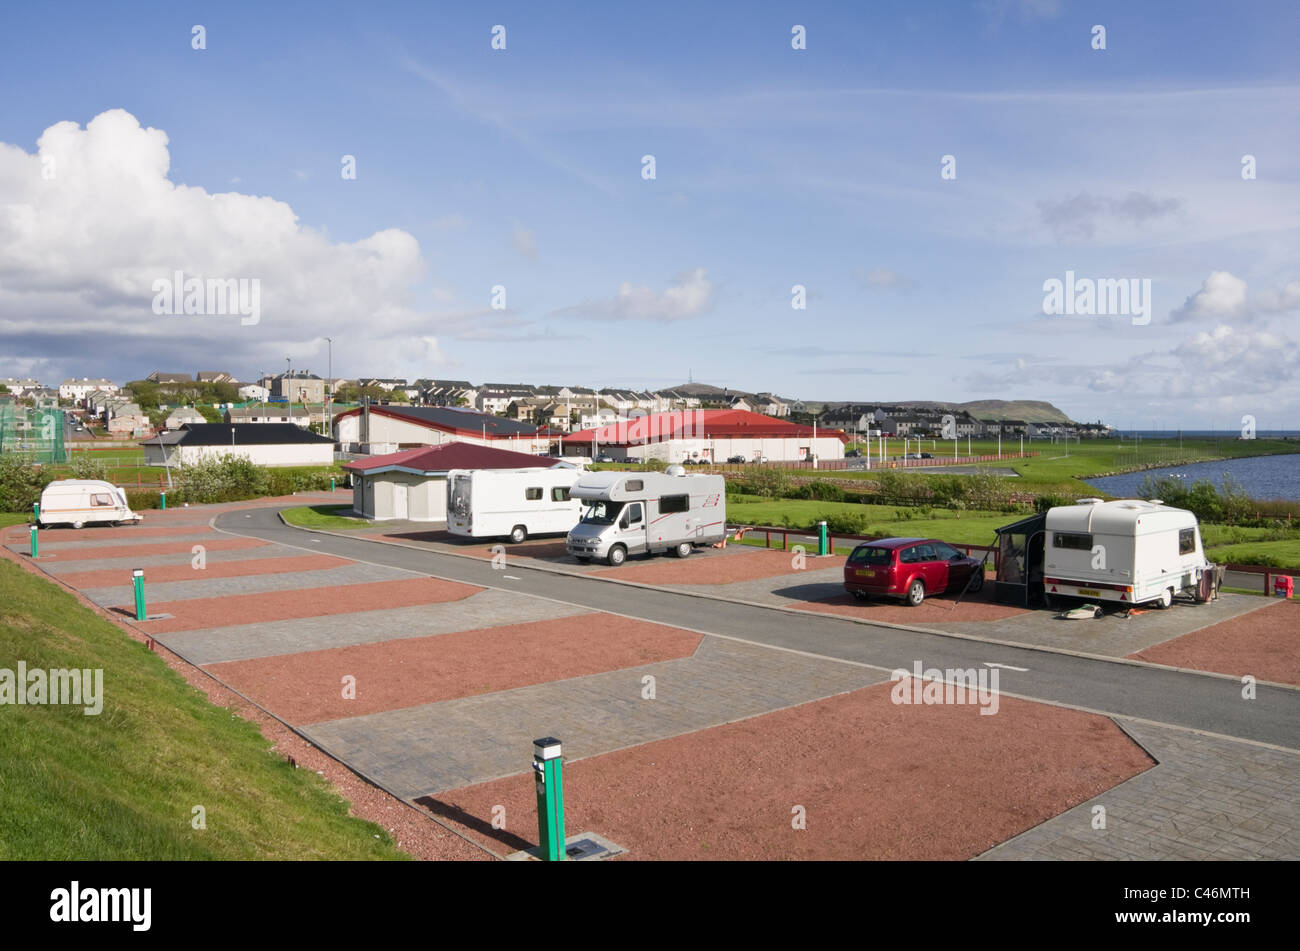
{"type": "Point", "coordinates": [872, 556]}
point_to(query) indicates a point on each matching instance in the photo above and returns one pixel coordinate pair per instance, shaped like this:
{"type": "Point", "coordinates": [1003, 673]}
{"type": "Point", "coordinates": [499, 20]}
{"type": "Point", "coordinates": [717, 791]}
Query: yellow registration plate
{"type": "Point", "coordinates": [866, 573]}
{"type": "Point", "coordinates": [1090, 592]}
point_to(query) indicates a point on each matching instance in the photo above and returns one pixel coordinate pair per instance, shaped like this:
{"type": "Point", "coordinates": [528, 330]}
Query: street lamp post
{"type": "Point", "coordinates": [329, 383]}
{"type": "Point", "coordinates": [288, 384]}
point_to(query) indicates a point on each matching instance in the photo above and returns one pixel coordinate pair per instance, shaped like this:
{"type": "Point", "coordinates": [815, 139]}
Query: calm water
{"type": "Point", "coordinates": [1263, 477]}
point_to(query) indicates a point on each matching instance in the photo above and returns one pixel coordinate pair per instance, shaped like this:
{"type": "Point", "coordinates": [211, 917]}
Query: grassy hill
{"type": "Point", "coordinates": [123, 784]}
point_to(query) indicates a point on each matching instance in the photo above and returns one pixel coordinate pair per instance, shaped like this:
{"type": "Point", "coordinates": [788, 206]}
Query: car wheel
{"type": "Point", "coordinates": [617, 555]}
{"type": "Point", "coordinates": [683, 550]}
{"type": "Point", "coordinates": [916, 593]}
{"type": "Point", "coordinates": [1165, 600]}
{"type": "Point", "coordinates": [976, 584]}
{"type": "Point", "coordinates": [518, 534]}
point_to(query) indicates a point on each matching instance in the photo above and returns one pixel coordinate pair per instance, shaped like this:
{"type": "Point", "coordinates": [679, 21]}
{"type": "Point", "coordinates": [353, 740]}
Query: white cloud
{"type": "Point", "coordinates": [79, 253]}
{"type": "Point", "coordinates": [691, 296]}
{"type": "Point", "coordinates": [1222, 295]}
{"type": "Point", "coordinates": [1288, 298]}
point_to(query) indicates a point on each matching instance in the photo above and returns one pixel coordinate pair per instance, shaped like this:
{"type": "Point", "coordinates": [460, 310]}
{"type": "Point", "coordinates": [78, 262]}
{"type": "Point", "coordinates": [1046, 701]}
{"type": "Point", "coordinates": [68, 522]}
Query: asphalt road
{"type": "Point", "coordinates": [1197, 701]}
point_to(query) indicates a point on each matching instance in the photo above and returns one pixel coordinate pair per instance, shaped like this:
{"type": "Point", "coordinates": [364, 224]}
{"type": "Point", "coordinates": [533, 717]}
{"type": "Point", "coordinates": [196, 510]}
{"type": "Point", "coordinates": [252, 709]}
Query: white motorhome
{"type": "Point", "coordinates": [511, 503]}
{"type": "Point", "coordinates": [79, 502]}
{"type": "Point", "coordinates": [633, 512]}
{"type": "Point", "coordinates": [1129, 551]}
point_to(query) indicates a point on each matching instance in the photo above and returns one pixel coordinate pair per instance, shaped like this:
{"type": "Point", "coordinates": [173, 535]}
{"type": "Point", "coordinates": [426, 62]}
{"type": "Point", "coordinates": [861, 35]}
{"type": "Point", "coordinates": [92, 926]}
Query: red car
{"type": "Point", "coordinates": [910, 568]}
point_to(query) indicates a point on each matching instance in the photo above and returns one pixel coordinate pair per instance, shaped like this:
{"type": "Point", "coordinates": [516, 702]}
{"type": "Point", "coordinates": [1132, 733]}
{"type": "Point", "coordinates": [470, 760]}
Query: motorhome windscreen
{"type": "Point", "coordinates": [602, 513]}
{"type": "Point", "coordinates": [871, 556]}
{"type": "Point", "coordinates": [460, 496]}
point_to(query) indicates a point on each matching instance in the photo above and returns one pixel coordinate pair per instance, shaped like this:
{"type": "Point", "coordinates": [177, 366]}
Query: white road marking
{"type": "Point", "coordinates": [512, 577]}
{"type": "Point", "coordinates": [1023, 670]}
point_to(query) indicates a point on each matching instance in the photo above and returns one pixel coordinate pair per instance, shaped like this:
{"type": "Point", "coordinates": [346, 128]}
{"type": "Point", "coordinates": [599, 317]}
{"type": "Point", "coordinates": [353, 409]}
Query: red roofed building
{"type": "Point", "coordinates": [713, 435]}
{"type": "Point", "coordinates": [389, 428]}
{"type": "Point", "coordinates": [412, 484]}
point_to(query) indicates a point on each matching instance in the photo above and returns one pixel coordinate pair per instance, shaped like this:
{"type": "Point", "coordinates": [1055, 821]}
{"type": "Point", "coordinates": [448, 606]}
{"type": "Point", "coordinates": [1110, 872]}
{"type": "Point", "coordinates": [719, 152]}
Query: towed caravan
{"type": "Point", "coordinates": [633, 512]}
{"type": "Point", "coordinates": [79, 502]}
{"type": "Point", "coordinates": [1127, 551]}
{"type": "Point", "coordinates": [511, 503]}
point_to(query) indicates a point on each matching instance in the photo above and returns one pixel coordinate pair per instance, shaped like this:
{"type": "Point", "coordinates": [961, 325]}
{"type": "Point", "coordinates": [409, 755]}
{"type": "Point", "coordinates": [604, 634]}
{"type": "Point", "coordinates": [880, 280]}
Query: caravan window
{"type": "Point", "coordinates": [674, 503]}
{"type": "Point", "coordinates": [559, 493]}
{"type": "Point", "coordinates": [101, 498]}
{"type": "Point", "coordinates": [1186, 541]}
{"type": "Point", "coordinates": [634, 485]}
{"type": "Point", "coordinates": [1079, 541]}
{"type": "Point", "coordinates": [533, 494]}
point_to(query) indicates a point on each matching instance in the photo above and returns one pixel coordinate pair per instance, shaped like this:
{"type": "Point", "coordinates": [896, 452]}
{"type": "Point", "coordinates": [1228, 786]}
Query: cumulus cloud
{"type": "Point", "coordinates": [91, 220]}
{"type": "Point", "coordinates": [691, 295]}
{"type": "Point", "coordinates": [1222, 295]}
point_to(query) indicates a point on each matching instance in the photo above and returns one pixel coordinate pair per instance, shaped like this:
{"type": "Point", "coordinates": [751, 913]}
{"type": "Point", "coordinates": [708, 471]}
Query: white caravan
{"type": "Point", "coordinates": [1128, 551]}
{"type": "Point", "coordinates": [79, 502]}
{"type": "Point", "coordinates": [511, 503]}
{"type": "Point", "coordinates": [632, 512]}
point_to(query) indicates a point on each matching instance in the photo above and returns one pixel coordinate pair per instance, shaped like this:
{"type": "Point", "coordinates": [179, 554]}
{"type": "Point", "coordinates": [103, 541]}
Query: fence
{"type": "Point", "coordinates": [768, 531]}
{"type": "Point", "coordinates": [35, 432]}
{"type": "Point", "coordinates": [860, 464]}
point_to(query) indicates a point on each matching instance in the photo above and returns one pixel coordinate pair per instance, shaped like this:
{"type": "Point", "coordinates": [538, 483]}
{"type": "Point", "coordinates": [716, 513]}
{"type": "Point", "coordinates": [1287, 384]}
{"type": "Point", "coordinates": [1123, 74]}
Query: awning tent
{"type": "Point", "coordinates": [1020, 561]}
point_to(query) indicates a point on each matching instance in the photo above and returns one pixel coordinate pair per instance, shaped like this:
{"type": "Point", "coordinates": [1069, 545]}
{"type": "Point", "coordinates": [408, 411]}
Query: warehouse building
{"type": "Point", "coordinates": [412, 484]}
{"type": "Point", "coordinates": [710, 435]}
{"type": "Point", "coordinates": [383, 429]}
{"type": "Point", "coordinates": [265, 444]}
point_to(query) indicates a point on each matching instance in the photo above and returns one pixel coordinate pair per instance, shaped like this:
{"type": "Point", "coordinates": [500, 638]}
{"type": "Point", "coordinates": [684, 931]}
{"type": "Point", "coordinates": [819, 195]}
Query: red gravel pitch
{"type": "Point", "coordinates": [216, 543]}
{"type": "Point", "coordinates": [306, 688]}
{"type": "Point", "coordinates": [96, 533]}
{"type": "Point", "coordinates": [1264, 643]}
{"type": "Point", "coordinates": [217, 569]}
{"type": "Point", "coordinates": [933, 610]}
{"type": "Point", "coordinates": [299, 603]}
{"type": "Point", "coordinates": [876, 780]}
{"type": "Point", "coordinates": [721, 568]}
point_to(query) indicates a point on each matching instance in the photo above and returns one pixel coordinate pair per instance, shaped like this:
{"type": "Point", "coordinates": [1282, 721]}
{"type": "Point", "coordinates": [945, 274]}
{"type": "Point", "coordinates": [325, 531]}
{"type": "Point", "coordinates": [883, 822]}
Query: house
{"type": "Point", "coordinates": [381, 429]}
{"type": "Point", "coordinates": [707, 434]}
{"type": "Point", "coordinates": [20, 386]}
{"type": "Point", "coordinates": [78, 390]}
{"type": "Point", "coordinates": [253, 391]}
{"type": "Point", "coordinates": [182, 415]}
{"type": "Point", "coordinates": [302, 386]}
{"type": "Point", "coordinates": [124, 418]}
{"type": "Point", "coordinates": [413, 484]}
{"type": "Point", "coordinates": [448, 393]}
{"type": "Point", "coordinates": [268, 444]}
{"type": "Point", "coordinates": [215, 376]}
{"type": "Point", "coordinates": [159, 376]}
{"type": "Point", "coordinates": [495, 397]}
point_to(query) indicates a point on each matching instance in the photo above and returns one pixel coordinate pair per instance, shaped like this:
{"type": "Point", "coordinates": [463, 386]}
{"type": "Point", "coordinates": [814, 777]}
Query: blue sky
{"type": "Point", "coordinates": [774, 167]}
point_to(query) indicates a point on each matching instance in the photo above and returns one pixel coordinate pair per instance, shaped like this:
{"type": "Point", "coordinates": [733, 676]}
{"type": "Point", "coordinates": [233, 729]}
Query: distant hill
{"type": "Point", "coordinates": [1031, 411]}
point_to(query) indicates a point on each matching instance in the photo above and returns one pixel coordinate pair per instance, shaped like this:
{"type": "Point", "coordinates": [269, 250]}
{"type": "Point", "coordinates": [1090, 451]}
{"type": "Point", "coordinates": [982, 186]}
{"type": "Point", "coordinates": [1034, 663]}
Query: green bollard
{"type": "Point", "coordinates": [550, 798]}
{"type": "Point", "coordinates": [331, 483]}
{"type": "Point", "coordinates": [162, 497]}
{"type": "Point", "coordinates": [822, 547]}
{"type": "Point", "coordinates": [36, 511]}
{"type": "Point", "coordinates": [137, 576]}
{"type": "Point", "coordinates": [36, 552]}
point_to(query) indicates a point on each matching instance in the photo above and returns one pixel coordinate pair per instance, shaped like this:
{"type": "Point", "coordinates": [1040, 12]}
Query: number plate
{"type": "Point", "coordinates": [866, 573]}
{"type": "Point", "coordinates": [1090, 592]}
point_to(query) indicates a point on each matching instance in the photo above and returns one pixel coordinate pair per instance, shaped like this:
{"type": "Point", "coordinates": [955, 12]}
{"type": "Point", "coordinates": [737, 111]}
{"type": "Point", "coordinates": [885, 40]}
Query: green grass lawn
{"type": "Point", "coordinates": [324, 516]}
{"type": "Point", "coordinates": [1276, 554]}
{"type": "Point", "coordinates": [970, 527]}
{"type": "Point", "coordinates": [123, 784]}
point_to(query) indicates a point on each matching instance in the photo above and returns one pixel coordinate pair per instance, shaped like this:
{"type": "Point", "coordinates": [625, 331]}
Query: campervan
{"type": "Point", "coordinates": [511, 503]}
{"type": "Point", "coordinates": [79, 502]}
{"type": "Point", "coordinates": [632, 512]}
{"type": "Point", "coordinates": [1129, 551]}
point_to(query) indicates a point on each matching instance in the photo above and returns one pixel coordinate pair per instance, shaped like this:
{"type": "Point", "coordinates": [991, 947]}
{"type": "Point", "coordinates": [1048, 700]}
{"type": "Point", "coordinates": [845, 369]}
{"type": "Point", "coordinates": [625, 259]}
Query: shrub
{"type": "Point", "coordinates": [21, 481]}
{"type": "Point", "coordinates": [225, 479]}
{"type": "Point", "coordinates": [1044, 502]}
{"type": "Point", "coordinates": [822, 491]}
{"type": "Point", "coordinates": [86, 466]}
{"type": "Point", "coordinates": [655, 465]}
{"type": "Point", "coordinates": [768, 483]}
{"type": "Point", "coordinates": [141, 499]}
{"type": "Point", "coordinates": [849, 523]}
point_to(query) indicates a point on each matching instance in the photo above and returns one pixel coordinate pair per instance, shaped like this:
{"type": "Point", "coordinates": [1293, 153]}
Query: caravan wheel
{"type": "Point", "coordinates": [78, 524]}
{"type": "Point", "coordinates": [1165, 600]}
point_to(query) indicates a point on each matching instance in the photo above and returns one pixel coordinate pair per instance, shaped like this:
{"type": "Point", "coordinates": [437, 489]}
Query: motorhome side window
{"type": "Point", "coordinates": [634, 485]}
{"type": "Point", "coordinates": [1076, 540]}
{"type": "Point", "coordinates": [1186, 541]}
{"type": "Point", "coordinates": [559, 493]}
{"type": "Point", "coordinates": [674, 503]}
{"type": "Point", "coordinates": [533, 494]}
